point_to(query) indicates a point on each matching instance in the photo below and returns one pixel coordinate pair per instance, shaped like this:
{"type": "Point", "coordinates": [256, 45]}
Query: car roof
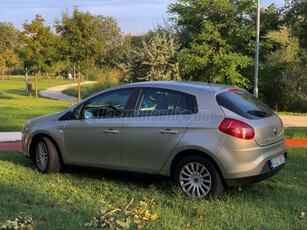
{"type": "Point", "coordinates": [182, 85]}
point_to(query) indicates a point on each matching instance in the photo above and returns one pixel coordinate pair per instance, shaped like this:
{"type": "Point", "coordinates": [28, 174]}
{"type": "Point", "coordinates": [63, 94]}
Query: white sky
{"type": "Point", "coordinates": [130, 14]}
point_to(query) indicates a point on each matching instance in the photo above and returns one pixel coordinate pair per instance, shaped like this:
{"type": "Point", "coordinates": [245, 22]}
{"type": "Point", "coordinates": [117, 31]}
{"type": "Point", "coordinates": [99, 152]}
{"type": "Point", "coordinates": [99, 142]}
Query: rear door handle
{"type": "Point", "coordinates": [111, 131]}
{"type": "Point", "coordinates": [168, 131]}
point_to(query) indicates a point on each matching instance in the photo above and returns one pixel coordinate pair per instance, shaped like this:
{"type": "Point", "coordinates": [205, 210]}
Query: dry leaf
{"type": "Point", "coordinates": [154, 216]}
{"type": "Point", "coordinates": [256, 214]}
{"type": "Point", "coordinates": [291, 226]}
{"type": "Point", "coordinates": [295, 178]}
{"type": "Point", "coordinates": [140, 227]}
{"type": "Point", "coordinates": [142, 203]}
{"type": "Point", "coordinates": [60, 180]}
{"type": "Point", "coordinates": [52, 185]}
{"type": "Point", "coordinates": [223, 215]}
{"type": "Point", "coordinates": [302, 215]}
{"type": "Point", "coordinates": [201, 218]}
{"type": "Point", "coordinates": [188, 225]}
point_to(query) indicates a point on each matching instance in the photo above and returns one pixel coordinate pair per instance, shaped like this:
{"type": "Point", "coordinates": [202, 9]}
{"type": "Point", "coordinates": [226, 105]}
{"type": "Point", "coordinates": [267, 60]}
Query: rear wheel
{"type": "Point", "coordinates": [198, 178]}
{"type": "Point", "coordinates": [46, 156]}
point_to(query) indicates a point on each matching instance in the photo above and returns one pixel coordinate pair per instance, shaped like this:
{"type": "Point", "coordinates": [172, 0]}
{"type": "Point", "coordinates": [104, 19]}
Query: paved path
{"type": "Point", "coordinates": [56, 92]}
{"type": "Point", "coordinates": [294, 121]}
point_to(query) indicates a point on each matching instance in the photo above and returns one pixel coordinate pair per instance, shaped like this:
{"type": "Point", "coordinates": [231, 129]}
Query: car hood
{"type": "Point", "coordinates": [46, 118]}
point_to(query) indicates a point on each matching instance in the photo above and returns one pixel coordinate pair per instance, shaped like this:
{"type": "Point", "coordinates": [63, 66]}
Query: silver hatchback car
{"type": "Point", "coordinates": [204, 136]}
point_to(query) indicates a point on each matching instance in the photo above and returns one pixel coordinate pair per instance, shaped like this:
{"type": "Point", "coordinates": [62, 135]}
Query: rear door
{"type": "Point", "coordinates": [159, 122]}
{"type": "Point", "coordinates": [242, 105]}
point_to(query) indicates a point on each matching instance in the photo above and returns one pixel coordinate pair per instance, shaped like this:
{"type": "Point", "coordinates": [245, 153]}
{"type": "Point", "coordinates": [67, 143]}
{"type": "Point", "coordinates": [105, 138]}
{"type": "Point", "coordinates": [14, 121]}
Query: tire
{"type": "Point", "coordinates": [46, 156]}
{"type": "Point", "coordinates": [198, 178]}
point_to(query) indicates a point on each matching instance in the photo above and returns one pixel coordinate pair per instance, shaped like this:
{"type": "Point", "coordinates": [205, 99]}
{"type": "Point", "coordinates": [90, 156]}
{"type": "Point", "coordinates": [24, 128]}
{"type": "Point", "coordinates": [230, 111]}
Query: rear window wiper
{"type": "Point", "coordinates": [257, 113]}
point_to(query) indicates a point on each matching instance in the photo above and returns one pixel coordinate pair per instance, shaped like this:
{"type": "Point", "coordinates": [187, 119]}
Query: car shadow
{"type": "Point", "coordinates": [162, 183]}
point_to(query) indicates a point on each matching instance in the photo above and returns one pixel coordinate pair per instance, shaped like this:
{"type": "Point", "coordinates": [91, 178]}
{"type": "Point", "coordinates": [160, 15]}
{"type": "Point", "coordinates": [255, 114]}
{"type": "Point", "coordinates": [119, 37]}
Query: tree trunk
{"type": "Point", "coordinates": [48, 78]}
{"type": "Point", "coordinates": [36, 95]}
{"type": "Point", "coordinates": [79, 80]}
{"type": "Point", "coordinates": [3, 69]}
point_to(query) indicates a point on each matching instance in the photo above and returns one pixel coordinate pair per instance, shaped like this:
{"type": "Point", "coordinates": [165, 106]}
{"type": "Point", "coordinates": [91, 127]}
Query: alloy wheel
{"type": "Point", "coordinates": [195, 180]}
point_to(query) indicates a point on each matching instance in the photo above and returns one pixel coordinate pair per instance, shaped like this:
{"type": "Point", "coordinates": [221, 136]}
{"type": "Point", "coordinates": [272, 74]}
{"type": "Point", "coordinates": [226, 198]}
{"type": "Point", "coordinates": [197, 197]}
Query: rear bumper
{"type": "Point", "coordinates": [265, 173]}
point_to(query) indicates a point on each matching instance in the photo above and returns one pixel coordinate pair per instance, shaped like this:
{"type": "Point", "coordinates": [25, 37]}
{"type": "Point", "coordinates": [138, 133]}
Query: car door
{"type": "Point", "coordinates": [148, 138]}
{"type": "Point", "coordinates": [93, 139]}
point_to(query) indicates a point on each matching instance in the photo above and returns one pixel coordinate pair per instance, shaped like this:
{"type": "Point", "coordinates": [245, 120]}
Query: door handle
{"type": "Point", "coordinates": [111, 131]}
{"type": "Point", "coordinates": [168, 131]}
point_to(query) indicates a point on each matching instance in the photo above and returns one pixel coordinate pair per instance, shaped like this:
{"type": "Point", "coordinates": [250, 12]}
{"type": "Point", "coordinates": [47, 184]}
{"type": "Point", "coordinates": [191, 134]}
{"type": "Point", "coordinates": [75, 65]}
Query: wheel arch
{"type": "Point", "coordinates": [188, 152]}
{"type": "Point", "coordinates": [34, 141]}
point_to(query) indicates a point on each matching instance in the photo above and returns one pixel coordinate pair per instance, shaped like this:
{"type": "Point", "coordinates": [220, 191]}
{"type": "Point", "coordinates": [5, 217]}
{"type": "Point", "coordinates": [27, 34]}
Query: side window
{"type": "Point", "coordinates": [108, 105]}
{"type": "Point", "coordinates": [154, 102]}
{"type": "Point", "coordinates": [185, 105]}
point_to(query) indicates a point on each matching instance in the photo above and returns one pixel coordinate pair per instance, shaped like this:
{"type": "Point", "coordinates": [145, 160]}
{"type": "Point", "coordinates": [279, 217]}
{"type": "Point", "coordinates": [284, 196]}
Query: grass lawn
{"type": "Point", "coordinates": [291, 113]}
{"type": "Point", "coordinates": [86, 90]}
{"type": "Point", "coordinates": [296, 132]}
{"type": "Point", "coordinates": [16, 107]}
{"type": "Point", "coordinates": [69, 200]}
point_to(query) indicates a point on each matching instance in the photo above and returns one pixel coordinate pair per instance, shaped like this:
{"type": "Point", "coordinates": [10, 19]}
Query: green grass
{"type": "Point", "coordinates": [296, 133]}
{"type": "Point", "coordinates": [291, 113]}
{"type": "Point", "coordinates": [86, 90]}
{"type": "Point", "coordinates": [70, 199]}
{"type": "Point", "coordinates": [16, 107]}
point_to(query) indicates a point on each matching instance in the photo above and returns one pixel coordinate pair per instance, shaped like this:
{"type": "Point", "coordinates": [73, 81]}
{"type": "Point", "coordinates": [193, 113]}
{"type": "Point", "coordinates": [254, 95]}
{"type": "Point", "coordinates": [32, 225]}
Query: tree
{"type": "Point", "coordinates": [8, 41]}
{"type": "Point", "coordinates": [213, 28]}
{"type": "Point", "coordinates": [155, 59]}
{"type": "Point", "coordinates": [112, 40]}
{"type": "Point", "coordinates": [296, 18]}
{"type": "Point", "coordinates": [11, 59]}
{"type": "Point", "coordinates": [79, 39]}
{"type": "Point", "coordinates": [37, 48]}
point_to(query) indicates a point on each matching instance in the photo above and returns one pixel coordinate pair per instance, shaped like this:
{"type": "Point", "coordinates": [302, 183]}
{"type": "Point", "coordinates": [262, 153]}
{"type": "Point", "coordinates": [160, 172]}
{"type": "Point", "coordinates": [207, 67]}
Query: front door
{"type": "Point", "coordinates": [93, 139]}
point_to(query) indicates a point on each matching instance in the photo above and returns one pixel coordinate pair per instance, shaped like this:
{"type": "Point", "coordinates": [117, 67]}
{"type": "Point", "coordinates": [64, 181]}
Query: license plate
{"type": "Point", "coordinates": [277, 161]}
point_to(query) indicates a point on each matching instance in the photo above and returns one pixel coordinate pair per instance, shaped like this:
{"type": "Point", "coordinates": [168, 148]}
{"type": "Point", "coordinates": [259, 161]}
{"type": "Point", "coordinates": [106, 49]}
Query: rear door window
{"type": "Point", "coordinates": [244, 104]}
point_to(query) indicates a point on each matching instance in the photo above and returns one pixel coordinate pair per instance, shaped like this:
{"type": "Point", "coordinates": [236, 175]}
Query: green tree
{"type": "Point", "coordinates": [11, 58]}
{"type": "Point", "coordinates": [112, 39]}
{"type": "Point", "coordinates": [214, 27]}
{"type": "Point", "coordinates": [8, 41]}
{"type": "Point", "coordinates": [155, 59]}
{"type": "Point", "coordinates": [37, 49]}
{"type": "Point", "coordinates": [79, 39]}
{"type": "Point", "coordinates": [296, 19]}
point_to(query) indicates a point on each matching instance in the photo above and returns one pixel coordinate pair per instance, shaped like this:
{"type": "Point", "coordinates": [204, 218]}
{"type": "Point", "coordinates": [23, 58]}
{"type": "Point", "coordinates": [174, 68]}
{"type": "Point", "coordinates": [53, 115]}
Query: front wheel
{"type": "Point", "coordinates": [198, 178]}
{"type": "Point", "coordinates": [46, 156]}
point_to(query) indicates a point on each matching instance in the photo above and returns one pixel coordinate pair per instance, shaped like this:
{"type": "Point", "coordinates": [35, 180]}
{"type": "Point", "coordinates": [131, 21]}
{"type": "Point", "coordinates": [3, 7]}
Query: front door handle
{"type": "Point", "coordinates": [111, 131]}
{"type": "Point", "coordinates": [169, 131]}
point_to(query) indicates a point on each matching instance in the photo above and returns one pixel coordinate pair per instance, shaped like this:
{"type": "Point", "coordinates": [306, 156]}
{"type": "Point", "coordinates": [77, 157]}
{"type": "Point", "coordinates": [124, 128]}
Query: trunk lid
{"type": "Point", "coordinates": [243, 106]}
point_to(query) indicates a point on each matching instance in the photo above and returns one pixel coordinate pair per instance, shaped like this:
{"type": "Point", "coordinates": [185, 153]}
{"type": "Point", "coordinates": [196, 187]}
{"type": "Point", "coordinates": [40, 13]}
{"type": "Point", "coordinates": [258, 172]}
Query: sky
{"type": "Point", "coordinates": [131, 15]}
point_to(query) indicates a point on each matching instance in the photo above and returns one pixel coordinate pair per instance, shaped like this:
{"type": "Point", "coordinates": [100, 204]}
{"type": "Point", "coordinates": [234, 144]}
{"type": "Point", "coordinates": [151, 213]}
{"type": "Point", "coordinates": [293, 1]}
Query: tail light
{"type": "Point", "coordinates": [237, 128]}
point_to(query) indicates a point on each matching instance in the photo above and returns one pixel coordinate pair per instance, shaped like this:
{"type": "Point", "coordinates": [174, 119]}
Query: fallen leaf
{"type": "Point", "coordinates": [295, 178]}
{"type": "Point", "coordinates": [142, 203]}
{"type": "Point", "coordinates": [60, 180]}
{"type": "Point", "coordinates": [154, 216]}
{"type": "Point", "coordinates": [302, 215]}
{"type": "Point", "coordinates": [140, 227]}
{"type": "Point", "coordinates": [52, 185]}
{"type": "Point", "coordinates": [223, 215]}
{"type": "Point", "coordinates": [201, 218]}
{"type": "Point", "coordinates": [291, 226]}
{"type": "Point", "coordinates": [256, 214]}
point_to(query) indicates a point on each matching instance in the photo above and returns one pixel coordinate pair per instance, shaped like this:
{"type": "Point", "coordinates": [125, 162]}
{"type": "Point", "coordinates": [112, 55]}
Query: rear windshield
{"type": "Point", "coordinates": [244, 104]}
